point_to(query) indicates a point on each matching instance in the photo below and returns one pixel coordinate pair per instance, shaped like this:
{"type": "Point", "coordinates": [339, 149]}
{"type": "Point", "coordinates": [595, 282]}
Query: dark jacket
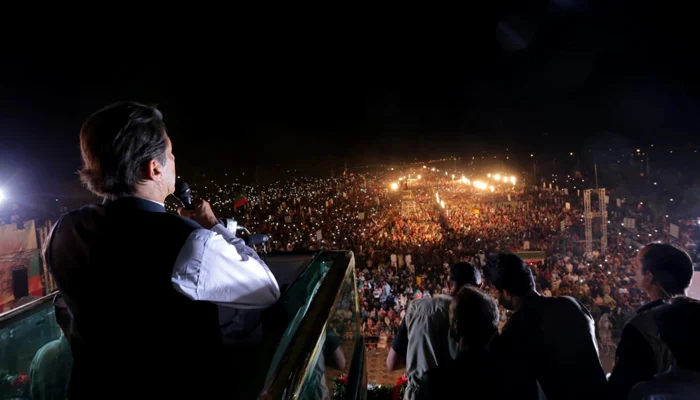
{"type": "Point", "coordinates": [676, 384]}
{"type": "Point", "coordinates": [134, 335]}
{"type": "Point", "coordinates": [475, 374]}
{"type": "Point", "coordinates": [640, 354]}
{"type": "Point", "coordinates": [552, 339]}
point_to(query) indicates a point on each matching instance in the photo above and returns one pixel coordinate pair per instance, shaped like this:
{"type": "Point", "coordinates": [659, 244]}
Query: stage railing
{"type": "Point", "coordinates": [317, 311]}
{"type": "Point", "coordinates": [332, 322]}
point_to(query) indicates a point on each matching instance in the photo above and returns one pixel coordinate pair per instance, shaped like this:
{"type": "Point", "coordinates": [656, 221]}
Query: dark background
{"type": "Point", "coordinates": [544, 77]}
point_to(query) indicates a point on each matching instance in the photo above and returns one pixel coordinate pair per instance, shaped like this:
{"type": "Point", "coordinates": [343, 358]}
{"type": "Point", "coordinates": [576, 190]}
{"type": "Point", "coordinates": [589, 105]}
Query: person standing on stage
{"type": "Point", "coordinates": [143, 285]}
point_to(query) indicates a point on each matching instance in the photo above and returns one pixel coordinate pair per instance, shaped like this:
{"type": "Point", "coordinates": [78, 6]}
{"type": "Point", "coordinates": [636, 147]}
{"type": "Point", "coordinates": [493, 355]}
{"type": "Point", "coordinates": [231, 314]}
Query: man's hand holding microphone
{"type": "Point", "coordinates": [201, 213]}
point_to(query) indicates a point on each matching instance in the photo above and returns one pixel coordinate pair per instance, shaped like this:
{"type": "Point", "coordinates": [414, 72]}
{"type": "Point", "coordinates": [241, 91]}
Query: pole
{"type": "Point", "coordinates": [595, 168]}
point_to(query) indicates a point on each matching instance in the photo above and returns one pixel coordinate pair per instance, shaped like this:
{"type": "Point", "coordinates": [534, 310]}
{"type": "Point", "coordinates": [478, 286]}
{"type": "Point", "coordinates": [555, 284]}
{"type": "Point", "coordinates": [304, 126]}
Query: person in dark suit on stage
{"type": "Point", "coordinates": [143, 285]}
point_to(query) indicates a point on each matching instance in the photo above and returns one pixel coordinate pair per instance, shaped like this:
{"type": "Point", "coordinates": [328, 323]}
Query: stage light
{"type": "Point", "coordinates": [2, 195]}
{"type": "Point", "coordinates": [394, 186]}
{"type": "Point", "coordinates": [513, 180]}
{"type": "Point", "coordinates": [480, 185]}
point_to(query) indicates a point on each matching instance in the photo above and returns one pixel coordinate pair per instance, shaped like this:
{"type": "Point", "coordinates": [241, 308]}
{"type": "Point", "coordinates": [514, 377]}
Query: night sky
{"type": "Point", "coordinates": [545, 77]}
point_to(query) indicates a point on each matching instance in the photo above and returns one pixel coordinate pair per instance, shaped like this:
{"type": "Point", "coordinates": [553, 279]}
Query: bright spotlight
{"type": "Point", "coordinates": [491, 188]}
{"type": "Point", "coordinates": [505, 179]}
{"type": "Point", "coordinates": [479, 185]}
{"type": "Point", "coordinates": [2, 195]}
{"type": "Point", "coordinates": [497, 177]}
{"type": "Point", "coordinates": [419, 176]}
{"type": "Point", "coordinates": [394, 186]}
{"type": "Point", "coordinates": [513, 180]}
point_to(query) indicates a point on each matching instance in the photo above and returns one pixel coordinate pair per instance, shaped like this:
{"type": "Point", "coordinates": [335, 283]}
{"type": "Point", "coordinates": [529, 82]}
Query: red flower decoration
{"type": "Point", "coordinates": [343, 379]}
{"type": "Point", "coordinates": [20, 381]}
{"type": "Point", "coordinates": [396, 392]}
{"type": "Point", "coordinates": [402, 379]}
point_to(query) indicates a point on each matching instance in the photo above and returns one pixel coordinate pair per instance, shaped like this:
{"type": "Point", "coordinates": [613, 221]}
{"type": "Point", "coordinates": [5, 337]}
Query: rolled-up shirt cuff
{"type": "Point", "coordinates": [227, 232]}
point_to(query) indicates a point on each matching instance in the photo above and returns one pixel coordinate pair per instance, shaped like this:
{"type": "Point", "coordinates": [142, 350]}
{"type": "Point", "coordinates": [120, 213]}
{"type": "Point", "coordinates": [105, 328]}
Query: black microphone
{"type": "Point", "coordinates": [184, 194]}
{"type": "Point", "coordinates": [257, 238]}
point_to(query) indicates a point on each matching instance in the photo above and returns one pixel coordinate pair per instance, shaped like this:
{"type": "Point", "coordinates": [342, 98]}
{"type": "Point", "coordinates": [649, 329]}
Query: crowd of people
{"type": "Point", "coordinates": [403, 256]}
{"type": "Point", "coordinates": [415, 237]}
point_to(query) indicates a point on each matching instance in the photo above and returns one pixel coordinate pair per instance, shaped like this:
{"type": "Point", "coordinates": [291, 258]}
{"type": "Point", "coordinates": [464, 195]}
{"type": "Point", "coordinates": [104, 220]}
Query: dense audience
{"type": "Point", "coordinates": [410, 236]}
{"type": "Point", "coordinates": [401, 258]}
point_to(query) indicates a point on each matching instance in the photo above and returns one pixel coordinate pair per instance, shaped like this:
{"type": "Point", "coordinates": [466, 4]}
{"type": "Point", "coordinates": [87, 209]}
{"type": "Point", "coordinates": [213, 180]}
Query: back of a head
{"type": "Point", "coordinates": [116, 142]}
{"type": "Point", "coordinates": [474, 315]}
{"type": "Point", "coordinates": [465, 273]}
{"type": "Point", "coordinates": [507, 271]}
{"type": "Point", "coordinates": [679, 328]}
{"type": "Point", "coordinates": [670, 266]}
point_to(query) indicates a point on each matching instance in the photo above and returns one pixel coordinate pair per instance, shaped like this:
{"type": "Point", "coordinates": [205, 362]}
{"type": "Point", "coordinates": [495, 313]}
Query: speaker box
{"type": "Point", "coordinates": [20, 282]}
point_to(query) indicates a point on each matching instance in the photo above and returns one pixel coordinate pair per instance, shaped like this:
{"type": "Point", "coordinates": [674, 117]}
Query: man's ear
{"type": "Point", "coordinates": [154, 170]}
{"type": "Point", "coordinates": [647, 279]}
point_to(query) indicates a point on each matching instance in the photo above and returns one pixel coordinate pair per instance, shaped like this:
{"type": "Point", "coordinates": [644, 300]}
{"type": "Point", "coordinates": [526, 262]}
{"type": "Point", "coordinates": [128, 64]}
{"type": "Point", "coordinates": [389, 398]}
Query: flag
{"type": "Point", "coordinates": [417, 294]}
{"type": "Point", "coordinates": [239, 201]}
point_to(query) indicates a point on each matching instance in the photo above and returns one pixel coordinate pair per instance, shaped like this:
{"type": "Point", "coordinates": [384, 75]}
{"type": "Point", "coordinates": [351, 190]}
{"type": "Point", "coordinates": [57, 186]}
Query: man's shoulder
{"type": "Point", "coordinates": [432, 304]}
{"type": "Point", "coordinates": [565, 301]}
{"type": "Point", "coordinates": [663, 385]}
{"type": "Point", "coordinates": [89, 216]}
{"type": "Point", "coordinates": [88, 211]}
{"type": "Point", "coordinates": [646, 317]}
{"type": "Point", "coordinates": [428, 301]}
{"type": "Point", "coordinates": [93, 217]}
{"type": "Point", "coordinates": [572, 300]}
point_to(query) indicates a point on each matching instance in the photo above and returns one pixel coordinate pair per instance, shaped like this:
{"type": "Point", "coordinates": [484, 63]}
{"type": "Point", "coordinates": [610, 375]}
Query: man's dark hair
{"type": "Point", "coordinates": [465, 273]}
{"type": "Point", "coordinates": [679, 329]}
{"type": "Point", "coordinates": [670, 266]}
{"type": "Point", "coordinates": [506, 271]}
{"type": "Point", "coordinates": [116, 142]}
{"type": "Point", "coordinates": [475, 315]}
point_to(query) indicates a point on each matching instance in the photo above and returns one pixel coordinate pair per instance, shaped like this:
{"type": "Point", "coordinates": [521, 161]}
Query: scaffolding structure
{"type": "Point", "coordinates": [589, 214]}
{"type": "Point", "coordinates": [408, 203]}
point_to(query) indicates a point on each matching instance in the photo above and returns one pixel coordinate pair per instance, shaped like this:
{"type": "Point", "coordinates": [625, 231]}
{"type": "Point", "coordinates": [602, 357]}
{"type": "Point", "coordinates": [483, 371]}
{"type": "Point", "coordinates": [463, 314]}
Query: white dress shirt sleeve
{"type": "Point", "coordinates": [231, 225]}
{"type": "Point", "coordinates": [214, 265]}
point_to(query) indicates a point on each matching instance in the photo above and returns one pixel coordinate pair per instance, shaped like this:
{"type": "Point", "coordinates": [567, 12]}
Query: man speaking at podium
{"type": "Point", "coordinates": [143, 285]}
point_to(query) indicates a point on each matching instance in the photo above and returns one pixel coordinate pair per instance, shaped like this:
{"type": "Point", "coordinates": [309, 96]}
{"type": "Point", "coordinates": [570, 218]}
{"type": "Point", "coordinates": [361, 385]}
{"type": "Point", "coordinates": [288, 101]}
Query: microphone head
{"type": "Point", "coordinates": [257, 238]}
{"type": "Point", "coordinates": [183, 193]}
